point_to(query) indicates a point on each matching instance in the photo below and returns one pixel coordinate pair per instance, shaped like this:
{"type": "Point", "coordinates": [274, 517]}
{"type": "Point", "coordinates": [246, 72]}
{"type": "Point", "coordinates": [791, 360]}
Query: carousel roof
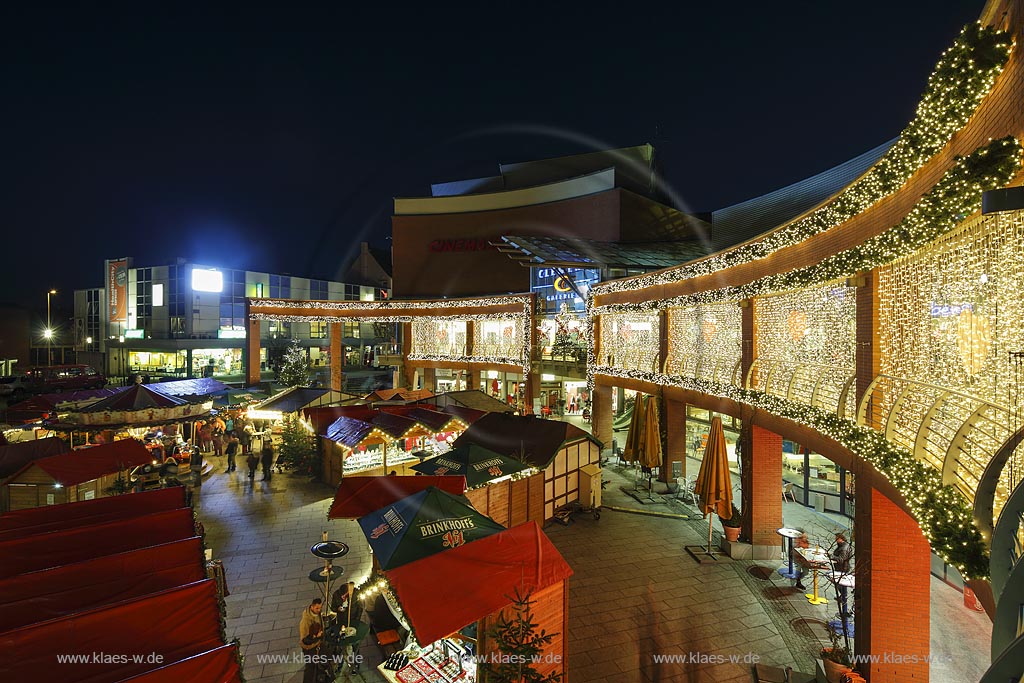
{"type": "Point", "coordinates": [198, 388]}
{"type": "Point", "coordinates": [137, 397]}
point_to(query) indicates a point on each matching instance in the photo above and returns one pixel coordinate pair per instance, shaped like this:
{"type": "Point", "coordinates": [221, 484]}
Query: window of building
{"type": "Point", "coordinates": [279, 328]}
{"type": "Point", "coordinates": [280, 287]}
{"type": "Point", "coordinates": [318, 290]}
{"type": "Point", "coordinates": [352, 292]}
{"type": "Point", "coordinates": [318, 330]}
{"type": "Point", "coordinates": [143, 298]}
{"type": "Point", "coordinates": [176, 294]}
{"type": "Point", "coordinates": [350, 330]}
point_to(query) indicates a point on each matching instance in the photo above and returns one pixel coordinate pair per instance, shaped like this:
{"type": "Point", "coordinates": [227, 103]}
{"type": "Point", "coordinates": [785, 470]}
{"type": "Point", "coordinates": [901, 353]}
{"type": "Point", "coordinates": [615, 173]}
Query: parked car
{"type": "Point", "coordinates": [54, 379]}
{"type": "Point", "coordinates": [15, 386]}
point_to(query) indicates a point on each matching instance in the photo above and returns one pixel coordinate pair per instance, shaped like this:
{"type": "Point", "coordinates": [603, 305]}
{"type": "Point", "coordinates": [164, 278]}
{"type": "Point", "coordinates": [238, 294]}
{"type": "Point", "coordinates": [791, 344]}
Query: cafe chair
{"type": "Point", "coordinates": [685, 489]}
{"type": "Point", "coordinates": [787, 492]}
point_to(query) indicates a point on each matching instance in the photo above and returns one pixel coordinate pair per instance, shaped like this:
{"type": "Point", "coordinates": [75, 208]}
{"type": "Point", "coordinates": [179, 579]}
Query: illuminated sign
{"type": "Point", "coordinates": [158, 294]}
{"type": "Point", "coordinates": [231, 334]}
{"type": "Point", "coordinates": [134, 334]}
{"type": "Point", "coordinates": [563, 284]}
{"type": "Point", "coordinates": [207, 280]}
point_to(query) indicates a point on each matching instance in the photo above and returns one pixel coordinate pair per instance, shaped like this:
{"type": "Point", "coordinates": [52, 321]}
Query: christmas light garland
{"type": "Point", "coordinates": [942, 512]}
{"type": "Point", "coordinates": [962, 78]}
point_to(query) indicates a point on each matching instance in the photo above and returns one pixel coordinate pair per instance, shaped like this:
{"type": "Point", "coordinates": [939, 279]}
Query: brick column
{"type": "Point", "coordinates": [601, 414]}
{"type": "Point", "coordinates": [252, 353]}
{"type": "Point", "coordinates": [408, 371]}
{"type": "Point", "coordinates": [430, 379]}
{"type": "Point", "coordinates": [762, 489]}
{"type": "Point", "coordinates": [892, 563]}
{"type": "Point", "coordinates": [675, 419]}
{"type": "Point", "coordinates": [337, 357]}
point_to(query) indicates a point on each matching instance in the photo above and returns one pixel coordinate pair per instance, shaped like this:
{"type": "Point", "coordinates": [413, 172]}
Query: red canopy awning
{"type": "Point", "coordinates": [444, 592]}
{"type": "Point", "coordinates": [174, 625]}
{"type": "Point", "coordinates": [78, 467]}
{"type": "Point", "coordinates": [77, 545]}
{"type": "Point", "coordinates": [31, 521]}
{"type": "Point", "coordinates": [72, 588]}
{"type": "Point", "coordinates": [16, 455]}
{"type": "Point", "coordinates": [359, 496]}
{"type": "Point", "coordinates": [217, 666]}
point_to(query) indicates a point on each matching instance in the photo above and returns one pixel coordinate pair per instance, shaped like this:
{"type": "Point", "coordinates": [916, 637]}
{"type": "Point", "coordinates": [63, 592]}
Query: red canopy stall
{"type": "Point", "coordinates": [359, 496]}
{"type": "Point", "coordinates": [123, 577]}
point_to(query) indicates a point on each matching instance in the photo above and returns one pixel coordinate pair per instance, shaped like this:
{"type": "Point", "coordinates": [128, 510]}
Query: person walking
{"type": "Point", "coordinates": [253, 461]}
{"type": "Point", "coordinates": [267, 458]}
{"type": "Point", "coordinates": [206, 437]}
{"type": "Point", "coordinates": [245, 436]}
{"type": "Point", "coordinates": [231, 450]}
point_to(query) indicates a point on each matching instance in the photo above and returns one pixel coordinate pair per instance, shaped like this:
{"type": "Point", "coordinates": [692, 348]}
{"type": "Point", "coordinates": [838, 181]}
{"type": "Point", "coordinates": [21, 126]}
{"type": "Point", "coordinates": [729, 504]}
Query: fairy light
{"type": "Point", "coordinates": [962, 78]}
{"type": "Point", "coordinates": [704, 340]}
{"type": "Point", "coordinates": [630, 340]}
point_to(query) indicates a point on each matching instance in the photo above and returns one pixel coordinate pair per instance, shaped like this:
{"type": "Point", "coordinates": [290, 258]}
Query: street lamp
{"type": "Point", "coordinates": [49, 330]}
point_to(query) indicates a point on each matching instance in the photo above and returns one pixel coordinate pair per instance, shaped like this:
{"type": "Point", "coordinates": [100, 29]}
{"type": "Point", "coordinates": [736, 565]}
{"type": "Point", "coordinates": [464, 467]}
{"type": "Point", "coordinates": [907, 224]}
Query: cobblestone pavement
{"type": "Point", "coordinates": [635, 594]}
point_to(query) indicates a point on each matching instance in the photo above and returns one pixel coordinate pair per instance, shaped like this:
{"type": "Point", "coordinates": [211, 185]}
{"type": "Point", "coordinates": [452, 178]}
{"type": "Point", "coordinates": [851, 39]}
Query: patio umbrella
{"type": "Point", "coordinates": [636, 428]}
{"type": "Point", "coordinates": [714, 484]}
{"type": "Point", "coordinates": [478, 464]}
{"type": "Point", "coordinates": [650, 451]}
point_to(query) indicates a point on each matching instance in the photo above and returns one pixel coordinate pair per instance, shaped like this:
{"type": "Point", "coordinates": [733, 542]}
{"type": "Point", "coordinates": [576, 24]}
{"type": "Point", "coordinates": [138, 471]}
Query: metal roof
{"type": "Point", "coordinates": [567, 251]}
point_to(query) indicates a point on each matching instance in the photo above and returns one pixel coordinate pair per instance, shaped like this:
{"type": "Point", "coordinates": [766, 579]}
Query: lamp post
{"type": "Point", "coordinates": [49, 330]}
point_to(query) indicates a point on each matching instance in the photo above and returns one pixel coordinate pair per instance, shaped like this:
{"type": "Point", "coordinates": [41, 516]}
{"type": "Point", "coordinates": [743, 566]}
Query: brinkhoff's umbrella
{"type": "Point", "coordinates": [423, 524]}
{"type": "Point", "coordinates": [714, 483]}
{"type": "Point", "coordinates": [478, 464]}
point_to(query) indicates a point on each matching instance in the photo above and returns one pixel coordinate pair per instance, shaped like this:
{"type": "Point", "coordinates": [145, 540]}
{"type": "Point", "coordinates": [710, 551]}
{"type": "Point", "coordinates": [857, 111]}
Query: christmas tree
{"type": "Point", "coordinates": [298, 447]}
{"type": "Point", "coordinates": [295, 366]}
{"type": "Point", "coordinates": [520, 645]}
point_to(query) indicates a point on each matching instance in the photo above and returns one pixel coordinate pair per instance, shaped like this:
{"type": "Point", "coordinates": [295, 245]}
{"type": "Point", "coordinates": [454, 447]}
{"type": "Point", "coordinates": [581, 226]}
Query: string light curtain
{"type": "Point", "coordinates": [704, 341]}
{"type": "Point", "coordinates": [630, 340]}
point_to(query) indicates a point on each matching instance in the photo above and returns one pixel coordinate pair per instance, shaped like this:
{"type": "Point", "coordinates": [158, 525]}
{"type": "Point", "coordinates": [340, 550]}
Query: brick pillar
{"type": "Point", "coordinates": [252, 354]}
{"type": "Point", "coordinates": [532, 391]}
{"type": "Point", "coordinates": [601, 414]}
{"type": "Point", "coordinates": [337, 357]}
{"type": "Point", "coordinates": [892, 562]}
{"type": "Point", "coordinates": [430, 379]}
{"type": "Point", "coordinates": [675, 419]}
{"type": "Point", "coordinates": [408, 370]}
{"type": "Point", "coordinates": [762, 489]}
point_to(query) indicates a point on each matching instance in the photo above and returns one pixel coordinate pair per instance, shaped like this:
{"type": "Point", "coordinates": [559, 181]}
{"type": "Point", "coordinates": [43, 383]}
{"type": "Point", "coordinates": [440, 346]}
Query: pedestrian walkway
{"type": "Point", "coordinates": [640, 608]}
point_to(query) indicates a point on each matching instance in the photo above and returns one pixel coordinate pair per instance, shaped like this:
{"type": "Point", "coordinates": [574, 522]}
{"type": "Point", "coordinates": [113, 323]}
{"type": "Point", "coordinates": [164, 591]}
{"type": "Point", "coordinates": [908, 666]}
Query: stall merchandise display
{"type": "Point", "coordinates": [358, 462]}
{"type": "Point", "coordinates": [439, 663]}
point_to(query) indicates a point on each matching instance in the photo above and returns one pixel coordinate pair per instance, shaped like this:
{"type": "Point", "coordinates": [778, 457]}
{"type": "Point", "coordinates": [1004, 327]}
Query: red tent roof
{"type": "Point", "coordinates": [444, 592]}
{"type": "Point", "coordinates": [78, 467]}
{"type": "Point", "coordinates": [358, 496]}
{"type": "Point", "coordinates": [72, 588]}
{"type": "Point", "coordinates": [15, 456]}
{"type": "Point", "coordinates": [137, 397]}
{"type": "Point", "coordinates": [43, 551]}
{"type": "Point", "coordinates": [175, 624]}
{"type": "Point", "coordinates": [87, 512]}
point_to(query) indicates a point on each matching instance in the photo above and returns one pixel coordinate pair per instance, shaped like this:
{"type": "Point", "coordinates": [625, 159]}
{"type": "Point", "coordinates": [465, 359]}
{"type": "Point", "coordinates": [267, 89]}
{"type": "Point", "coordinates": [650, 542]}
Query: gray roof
{"type": "Point", "coordinates": [580, 253]}
{"type": "Point", "coordinates": [740, 222]}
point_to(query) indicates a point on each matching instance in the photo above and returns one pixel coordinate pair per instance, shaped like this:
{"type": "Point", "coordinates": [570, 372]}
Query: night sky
{"type": "Point", "coordinates": [276, 143]}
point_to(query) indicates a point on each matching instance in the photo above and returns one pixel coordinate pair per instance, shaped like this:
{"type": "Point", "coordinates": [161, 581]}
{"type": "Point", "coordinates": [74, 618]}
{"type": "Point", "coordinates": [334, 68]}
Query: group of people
{"type": "Point", "coordinates": [232, 437]}
{"type": "Point", "coordinates": [347, 608]}
{"type": "Point", "coordinates": [840, 558]}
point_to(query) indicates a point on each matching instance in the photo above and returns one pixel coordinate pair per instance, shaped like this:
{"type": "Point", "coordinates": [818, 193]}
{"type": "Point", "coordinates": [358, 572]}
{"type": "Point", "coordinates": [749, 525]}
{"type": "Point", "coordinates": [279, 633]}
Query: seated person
{"type": "Point", "coordinates": [380, 616]}
{"type": "Point", "coordinates": [344, 598]}
{"type": "Point", "coordinates": [801, 542]}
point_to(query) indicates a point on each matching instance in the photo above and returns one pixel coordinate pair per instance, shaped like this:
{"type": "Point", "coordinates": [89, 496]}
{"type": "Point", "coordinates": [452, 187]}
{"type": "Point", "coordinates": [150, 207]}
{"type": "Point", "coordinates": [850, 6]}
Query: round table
{"type": "Point", "coordinates": [815, 559]}
{"type": "Point", "coordinates": [789, 534]}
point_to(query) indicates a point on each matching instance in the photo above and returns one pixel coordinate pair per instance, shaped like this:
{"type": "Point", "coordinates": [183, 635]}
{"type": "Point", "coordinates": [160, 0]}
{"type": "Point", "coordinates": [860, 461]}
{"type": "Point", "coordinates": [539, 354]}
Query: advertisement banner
{"type": "Point", "coordinates": [117, 290]}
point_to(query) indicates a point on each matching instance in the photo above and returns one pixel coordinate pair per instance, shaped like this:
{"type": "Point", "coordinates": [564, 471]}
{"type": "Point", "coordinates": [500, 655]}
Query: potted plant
{"type": "Point", "coordinates": [836, 658]}
{"type": "Point", "coordinates": [731, 526]}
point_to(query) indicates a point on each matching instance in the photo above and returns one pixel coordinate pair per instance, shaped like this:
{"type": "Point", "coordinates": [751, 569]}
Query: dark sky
{"type": "Point", "coordinates": [276, 142]}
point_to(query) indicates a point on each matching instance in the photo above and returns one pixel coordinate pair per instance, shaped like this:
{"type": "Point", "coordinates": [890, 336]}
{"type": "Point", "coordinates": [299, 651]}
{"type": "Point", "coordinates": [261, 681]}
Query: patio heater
{"type": "Point", "coordinates": [328, 551]}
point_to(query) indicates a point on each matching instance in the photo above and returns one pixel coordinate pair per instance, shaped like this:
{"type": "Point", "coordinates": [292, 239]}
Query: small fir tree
{"type": "Point", "coordinates": [298, 448]}
{"type": "Point", "coordinates": [520, 645]}
{"type": "Point", "coordinates": [295, 366]}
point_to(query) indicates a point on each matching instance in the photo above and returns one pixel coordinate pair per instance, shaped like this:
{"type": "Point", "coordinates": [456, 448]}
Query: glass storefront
{"type": "Point", "coordinates": [698, 425]}
{"type": "Point", "coordinates": [816, 481]}
{"type": "Point", "coordinates": [170, 363]}
{"type": "Point", "coordinates": [216, 362]}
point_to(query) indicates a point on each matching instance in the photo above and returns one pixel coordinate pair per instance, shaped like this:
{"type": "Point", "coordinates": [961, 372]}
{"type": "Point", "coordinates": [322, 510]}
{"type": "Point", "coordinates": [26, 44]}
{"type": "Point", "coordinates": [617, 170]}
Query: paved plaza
{"type": "Point", "coordinates": [636, 593]}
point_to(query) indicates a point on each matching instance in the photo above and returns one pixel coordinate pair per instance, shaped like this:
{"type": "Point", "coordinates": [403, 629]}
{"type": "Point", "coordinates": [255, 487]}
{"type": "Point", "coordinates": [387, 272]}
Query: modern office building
{"type": "Point", "coordinates": [185, 319]}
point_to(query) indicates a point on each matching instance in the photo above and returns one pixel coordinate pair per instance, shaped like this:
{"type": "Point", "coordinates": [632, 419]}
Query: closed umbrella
{"type": "Point", "coordinates": [714, 483]}
{"type": "Point", "coordinates": [650, 451]}
{"type": "Point", "coordinates": [630, 452]}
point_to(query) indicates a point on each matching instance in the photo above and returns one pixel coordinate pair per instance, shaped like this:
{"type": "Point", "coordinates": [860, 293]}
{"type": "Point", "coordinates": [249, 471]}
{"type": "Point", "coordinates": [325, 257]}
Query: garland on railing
{"type": "Point", "coordinates": [962, 78]}
{"type": "Point", "coordinates": [956, 195]}
{"type": "Point", "coordinates": [944, 515]}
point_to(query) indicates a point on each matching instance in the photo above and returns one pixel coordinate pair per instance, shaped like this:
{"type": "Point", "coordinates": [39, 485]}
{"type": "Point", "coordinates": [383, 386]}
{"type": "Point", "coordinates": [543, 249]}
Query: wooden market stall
{"type": "Point", "coordinates": [559, 449]}
{"type": "Point", "coordinates": [83, 474]}
{"type": "Point", "coordinates": [359, 496]}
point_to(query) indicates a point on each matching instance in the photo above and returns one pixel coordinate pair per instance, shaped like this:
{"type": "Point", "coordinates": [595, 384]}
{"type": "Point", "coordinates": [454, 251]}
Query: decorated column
{"type": "Point", "coordinates": [601, 414]}
{"type": "Point", "coordinates": [675, 420]}
{"type": "Point", "coordinates": [409, 370]}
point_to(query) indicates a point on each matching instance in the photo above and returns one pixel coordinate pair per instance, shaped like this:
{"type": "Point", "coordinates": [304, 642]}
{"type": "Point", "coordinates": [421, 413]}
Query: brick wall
{"type": "Point", "coordinates": [764, 505]}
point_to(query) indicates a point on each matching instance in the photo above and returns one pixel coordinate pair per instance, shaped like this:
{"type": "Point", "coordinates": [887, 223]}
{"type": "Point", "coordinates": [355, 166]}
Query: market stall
{"type": "Point", "coordinates": [557, 448]}
{"type": "Point", "coordinates": [498, 485]}
{"type": "Point", "coordinates": [451, 601]}
{"type": "Point", "coordinates": [76, 475]}
{"type": "Point", "coordinates": [359, 496]}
